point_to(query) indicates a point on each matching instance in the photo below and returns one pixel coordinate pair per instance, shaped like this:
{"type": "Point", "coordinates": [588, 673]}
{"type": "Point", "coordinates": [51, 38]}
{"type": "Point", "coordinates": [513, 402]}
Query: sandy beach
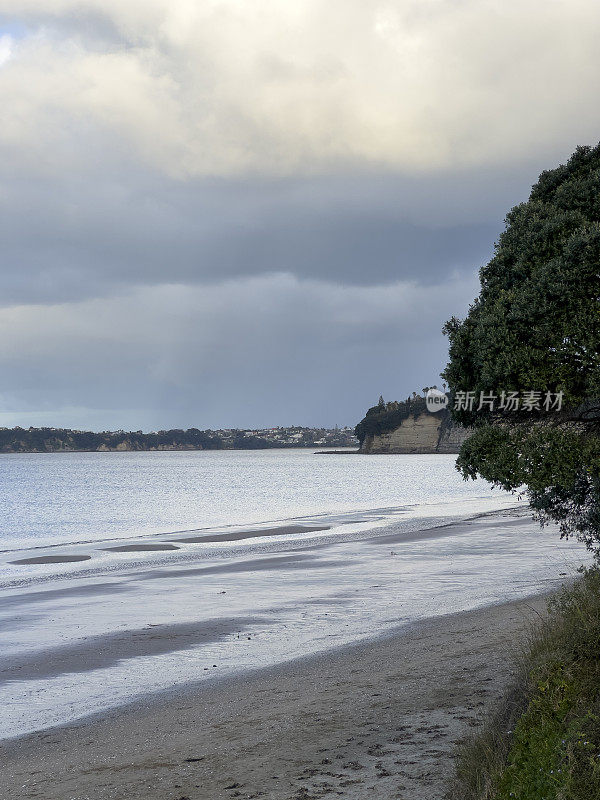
{"type": "Point", "coordinates": [379, 719]}
{"type": "Point", "coordinates": [343, 655]}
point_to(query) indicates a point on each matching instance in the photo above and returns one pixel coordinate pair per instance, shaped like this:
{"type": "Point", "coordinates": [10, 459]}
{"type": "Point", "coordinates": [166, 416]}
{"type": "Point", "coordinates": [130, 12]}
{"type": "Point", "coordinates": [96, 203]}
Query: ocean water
{"type": "Point", "coordinates": [127, 574]}
{"type": "Point", "coordinates": [64, 498]}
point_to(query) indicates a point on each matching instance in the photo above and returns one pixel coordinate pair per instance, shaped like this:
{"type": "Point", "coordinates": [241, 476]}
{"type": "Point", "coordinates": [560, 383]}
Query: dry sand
{"type": "Point", "coordinates": [378, 720]}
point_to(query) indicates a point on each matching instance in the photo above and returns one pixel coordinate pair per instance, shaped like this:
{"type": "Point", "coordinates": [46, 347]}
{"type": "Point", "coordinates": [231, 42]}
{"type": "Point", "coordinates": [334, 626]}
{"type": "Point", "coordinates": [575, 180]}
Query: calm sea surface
{"type": "Point", "coordinates": [61, 498]}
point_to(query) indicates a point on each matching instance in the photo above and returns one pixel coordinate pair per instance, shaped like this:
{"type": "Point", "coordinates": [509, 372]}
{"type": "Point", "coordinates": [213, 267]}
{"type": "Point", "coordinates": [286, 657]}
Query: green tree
{"type": "Point", "coordinates": [535, 327]}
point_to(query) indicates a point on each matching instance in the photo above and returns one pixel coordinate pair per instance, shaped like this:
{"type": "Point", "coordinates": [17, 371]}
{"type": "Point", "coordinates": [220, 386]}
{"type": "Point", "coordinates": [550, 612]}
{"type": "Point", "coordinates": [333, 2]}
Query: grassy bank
{"type": "Point", "coordinates": [544, 742]}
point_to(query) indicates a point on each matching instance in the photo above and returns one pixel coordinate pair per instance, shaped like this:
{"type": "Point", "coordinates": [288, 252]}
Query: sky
{"type": "Point", "coordinates": [222, 213]}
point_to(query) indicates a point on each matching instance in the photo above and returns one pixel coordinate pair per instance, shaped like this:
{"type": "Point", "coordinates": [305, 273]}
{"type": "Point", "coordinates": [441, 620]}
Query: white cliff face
{"type": "Point", "coordinates": [425, 434]}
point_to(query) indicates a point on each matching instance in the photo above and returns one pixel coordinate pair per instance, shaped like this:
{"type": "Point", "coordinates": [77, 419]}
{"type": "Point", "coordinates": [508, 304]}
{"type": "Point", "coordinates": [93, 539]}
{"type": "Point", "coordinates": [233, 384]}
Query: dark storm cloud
{"type": "Point", "coordinates": [68, 239]}
{"type": "Point", "coordinates": [259, 351]}
{"type": "Point", "coordinates": [222, 214]}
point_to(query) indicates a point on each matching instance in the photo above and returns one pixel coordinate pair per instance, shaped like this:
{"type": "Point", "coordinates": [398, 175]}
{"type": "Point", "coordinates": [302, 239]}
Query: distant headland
{"type": "Point", "coordinates": [408, 427]}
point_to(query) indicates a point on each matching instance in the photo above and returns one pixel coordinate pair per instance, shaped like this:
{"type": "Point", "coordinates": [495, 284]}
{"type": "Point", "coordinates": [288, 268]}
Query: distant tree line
{"type": "Point", "coordinates": [43, 440]}
{"type": "Point", "coordinates": [50, 440]}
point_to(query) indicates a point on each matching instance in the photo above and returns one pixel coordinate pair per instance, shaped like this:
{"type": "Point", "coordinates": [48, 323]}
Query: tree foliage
{"type": "Point", "coordinates": [44, 440]}
{"type": "Point", "coordinates": [536, 327]}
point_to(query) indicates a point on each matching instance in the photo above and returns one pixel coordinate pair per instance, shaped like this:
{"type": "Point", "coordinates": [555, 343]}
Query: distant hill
{"type": "Point", "coordinates": [408, 427]}
{"type": "Point", "coordinates": [54, 440]}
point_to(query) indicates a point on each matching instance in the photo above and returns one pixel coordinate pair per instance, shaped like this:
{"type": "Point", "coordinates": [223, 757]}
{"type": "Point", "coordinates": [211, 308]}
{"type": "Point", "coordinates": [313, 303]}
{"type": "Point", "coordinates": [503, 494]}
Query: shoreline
{"type": "Point", "coordinates": [382, 716]}
{"type": "Point", "coordinates": [190, 449]}
{"type": "Point", "coordinates": [104, 640]}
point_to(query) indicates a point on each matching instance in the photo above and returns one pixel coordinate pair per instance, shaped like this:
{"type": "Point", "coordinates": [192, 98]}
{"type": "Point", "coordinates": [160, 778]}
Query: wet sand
{"type": "Point", "coordinates": [58, 559]}
{"type": "Point", "coordinates": [238, 536]}
{"type": "Point", "coordinates": [282, 530]}
{"type": "Point", "coordinates": [379, 719]}
{"type": "Point", "coordinates": [154, 547]}
{"type": "Point", "coordinates": [100, 652]}
{"type": "Point", "coordinates": [140, 548]}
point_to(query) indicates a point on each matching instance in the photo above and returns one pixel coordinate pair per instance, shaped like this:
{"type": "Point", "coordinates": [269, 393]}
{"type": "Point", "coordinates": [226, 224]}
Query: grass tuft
{"type": "Point", "coordinates": [544, 741]}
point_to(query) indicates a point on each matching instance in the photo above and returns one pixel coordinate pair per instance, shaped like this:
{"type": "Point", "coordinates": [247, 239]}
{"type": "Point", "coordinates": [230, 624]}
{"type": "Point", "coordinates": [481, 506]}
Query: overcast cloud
{"type": "Point", "coordinates": [224, 213]}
